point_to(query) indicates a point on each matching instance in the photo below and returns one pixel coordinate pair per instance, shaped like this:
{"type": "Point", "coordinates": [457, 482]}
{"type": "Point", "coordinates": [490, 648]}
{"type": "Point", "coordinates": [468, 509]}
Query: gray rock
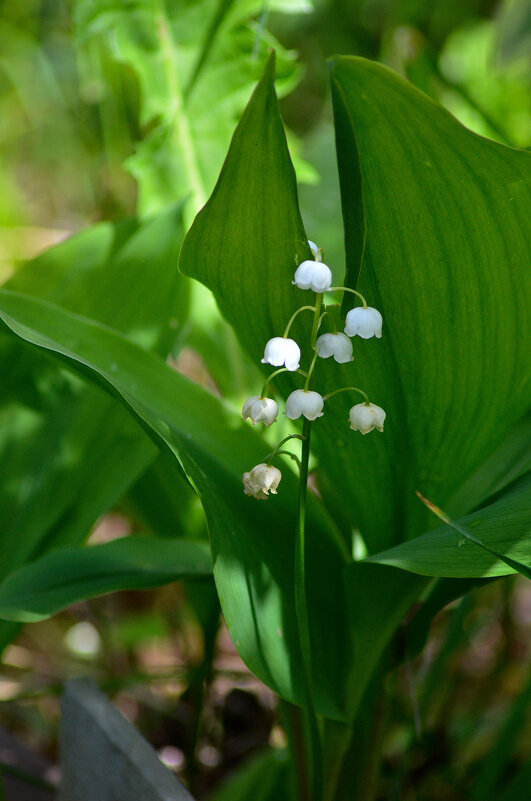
{"type": "Point", "coordinates": [103, 757]}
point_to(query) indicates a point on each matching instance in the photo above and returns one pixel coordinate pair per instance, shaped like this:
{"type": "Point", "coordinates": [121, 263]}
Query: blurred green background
{"type": "Point", "coordinates": [82, 141]}
{"type": "Point", "coordinates": [72, 110]}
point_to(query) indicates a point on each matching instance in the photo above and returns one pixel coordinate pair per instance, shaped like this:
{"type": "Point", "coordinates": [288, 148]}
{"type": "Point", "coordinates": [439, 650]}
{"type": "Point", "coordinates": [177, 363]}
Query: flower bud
{"type": "Point", "coordinates": [260, 410]}
{"type": "Point", "coordinates": [366, 416]}
{"type": "Point", "coordinates": [313, 275]}
{"type": "Point", "coordinates": [281, 351]}
{"type": "Point", "coordinates": [304, 402]}
{"type": "Point", "coordinates": [263, 479]}
{"type": "Point", "coordinates": [316, 251]}
{"type": "Point", "coordinates": [337, 345]}
{"type": "Point", "coordinates": [366, 323]}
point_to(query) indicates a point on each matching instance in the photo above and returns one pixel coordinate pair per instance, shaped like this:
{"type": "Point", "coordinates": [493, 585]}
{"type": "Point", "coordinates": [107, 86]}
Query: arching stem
{"type": "Point", "coordinates": [348, 289]}
{"type": "Point", "coordinates": [272, 376]}
{"type": "Point", "coordinates": [293, 316]}
{"type": "Point", "coordinates": [347, 389]}
{"type": "Point", "coordinates": [270, 456]}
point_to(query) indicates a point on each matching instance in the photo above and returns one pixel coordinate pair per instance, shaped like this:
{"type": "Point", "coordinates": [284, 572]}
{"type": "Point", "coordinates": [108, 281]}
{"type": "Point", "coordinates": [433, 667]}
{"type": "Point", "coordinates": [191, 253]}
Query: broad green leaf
{"type": "Point", "coordinates": [68, 451]}
{"type": "Point", "coordinates": [524, 526]}
{"type": "Point", "coordinates": [503, 528]}
{"type": "Point", "coordinates": [439, 241]}
{"type": "Point", "coordinates": [252, 543]}
{"type": "Point", "coordinates": [507, 463]}
{"type": "Point", "coordinates": [378, 599]}
{"type": "Point", "coordinates": [67, 575]}
{"type": "Point", "coordinates": [246, 252]}
{"type": "Point", "coordinates": [66, 458]}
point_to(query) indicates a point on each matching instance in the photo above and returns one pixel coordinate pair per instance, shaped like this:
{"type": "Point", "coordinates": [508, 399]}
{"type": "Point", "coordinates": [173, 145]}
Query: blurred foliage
{"type": "Point", "coordinates": [116, 109]}
{"type": "Point", "coordinates": [147, 644]}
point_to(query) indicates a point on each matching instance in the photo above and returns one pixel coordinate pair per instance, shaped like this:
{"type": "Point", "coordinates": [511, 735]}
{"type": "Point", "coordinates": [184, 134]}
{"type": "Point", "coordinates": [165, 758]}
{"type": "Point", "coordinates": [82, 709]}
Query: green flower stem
{"type": "Point", "coordinates": [310, 371]}
{"type": "Point", "coordinates": [272, 376]}
{"type": "Point", "coordinates": [348, 289]}
{"type": "Point", "coordinates": [317, 317]}
{"type": "Point", "coordinates": [302, 308]}
{"type": "Point", "coordinates": [347, 389]}
{"type": "Point", "coordinates": [301, 609]}
{"type": "Point", "coordinates": [301, 603]}
{"type": "Point", "coordinates": [271, 456]}
{"type": "Point", "coordinates": [289, 453]}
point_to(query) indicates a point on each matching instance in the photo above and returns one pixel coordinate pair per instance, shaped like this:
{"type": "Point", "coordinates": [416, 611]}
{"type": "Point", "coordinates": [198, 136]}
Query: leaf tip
{"type": "Point", "coordinates": [431, 506]}
{"type": "Point", "coordinates": [270, 65]}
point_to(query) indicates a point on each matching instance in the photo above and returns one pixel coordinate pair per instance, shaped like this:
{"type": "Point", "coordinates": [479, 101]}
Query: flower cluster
{"type": "Point", "coordinates": [284, 353]}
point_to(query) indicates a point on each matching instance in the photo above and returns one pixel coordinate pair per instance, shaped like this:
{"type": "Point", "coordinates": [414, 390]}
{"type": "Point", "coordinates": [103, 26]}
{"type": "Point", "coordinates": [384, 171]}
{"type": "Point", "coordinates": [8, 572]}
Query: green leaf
{"type": "Point", "coordinates": [65, 576]}
{"type": "Point", "coordinates": [494, 541]}
{"type": "Point", "coordinates": [69, 451]}
{"type": "Point", "coordinates": [507, 463]}
{"type": "Point", "coordinates": [438, 231]}
{"type": "Point", "coordinates": [524, 526]}
{"type": "Point", "coordinates": [246, 252]}
{"type": "Point", "coordinates": [378, 600]}
{"type": "Point", "coordinates": [252, 543]}
{"type": "Point", "coordinates": [264, 777]}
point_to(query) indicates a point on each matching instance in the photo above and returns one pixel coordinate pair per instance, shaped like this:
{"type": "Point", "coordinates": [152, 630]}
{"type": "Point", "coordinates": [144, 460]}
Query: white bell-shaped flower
{"type": "Point", "coordinates": [337, 345]}
{"type": "Point", "coordinates": [261, 480]}
{"type": "Point", "coordinates": [304, 402]}
{"type": "Point", "coordinates": [366, 323]}
{"type": "Point", "coordinates": [260, 410]}
{"type": "Point", "coordinates": [313, 275]}
{"type": "Point", "coordinates": [281, 351]}
{"type": "Point", "coordinates": [366, 416]}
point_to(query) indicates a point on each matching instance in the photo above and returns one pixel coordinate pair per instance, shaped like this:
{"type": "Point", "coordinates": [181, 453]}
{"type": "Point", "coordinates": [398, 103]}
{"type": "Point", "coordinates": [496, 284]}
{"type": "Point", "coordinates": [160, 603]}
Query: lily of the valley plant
{"type": "Point", "coordinates": [263, 479]}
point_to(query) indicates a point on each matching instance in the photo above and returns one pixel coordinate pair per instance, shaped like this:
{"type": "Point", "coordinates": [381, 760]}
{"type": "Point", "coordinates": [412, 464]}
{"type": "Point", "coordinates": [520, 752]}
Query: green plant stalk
{"type": "Point", "coordinates": [295, 727]}
{"type": "Point", "coordinates": [301, 606]}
